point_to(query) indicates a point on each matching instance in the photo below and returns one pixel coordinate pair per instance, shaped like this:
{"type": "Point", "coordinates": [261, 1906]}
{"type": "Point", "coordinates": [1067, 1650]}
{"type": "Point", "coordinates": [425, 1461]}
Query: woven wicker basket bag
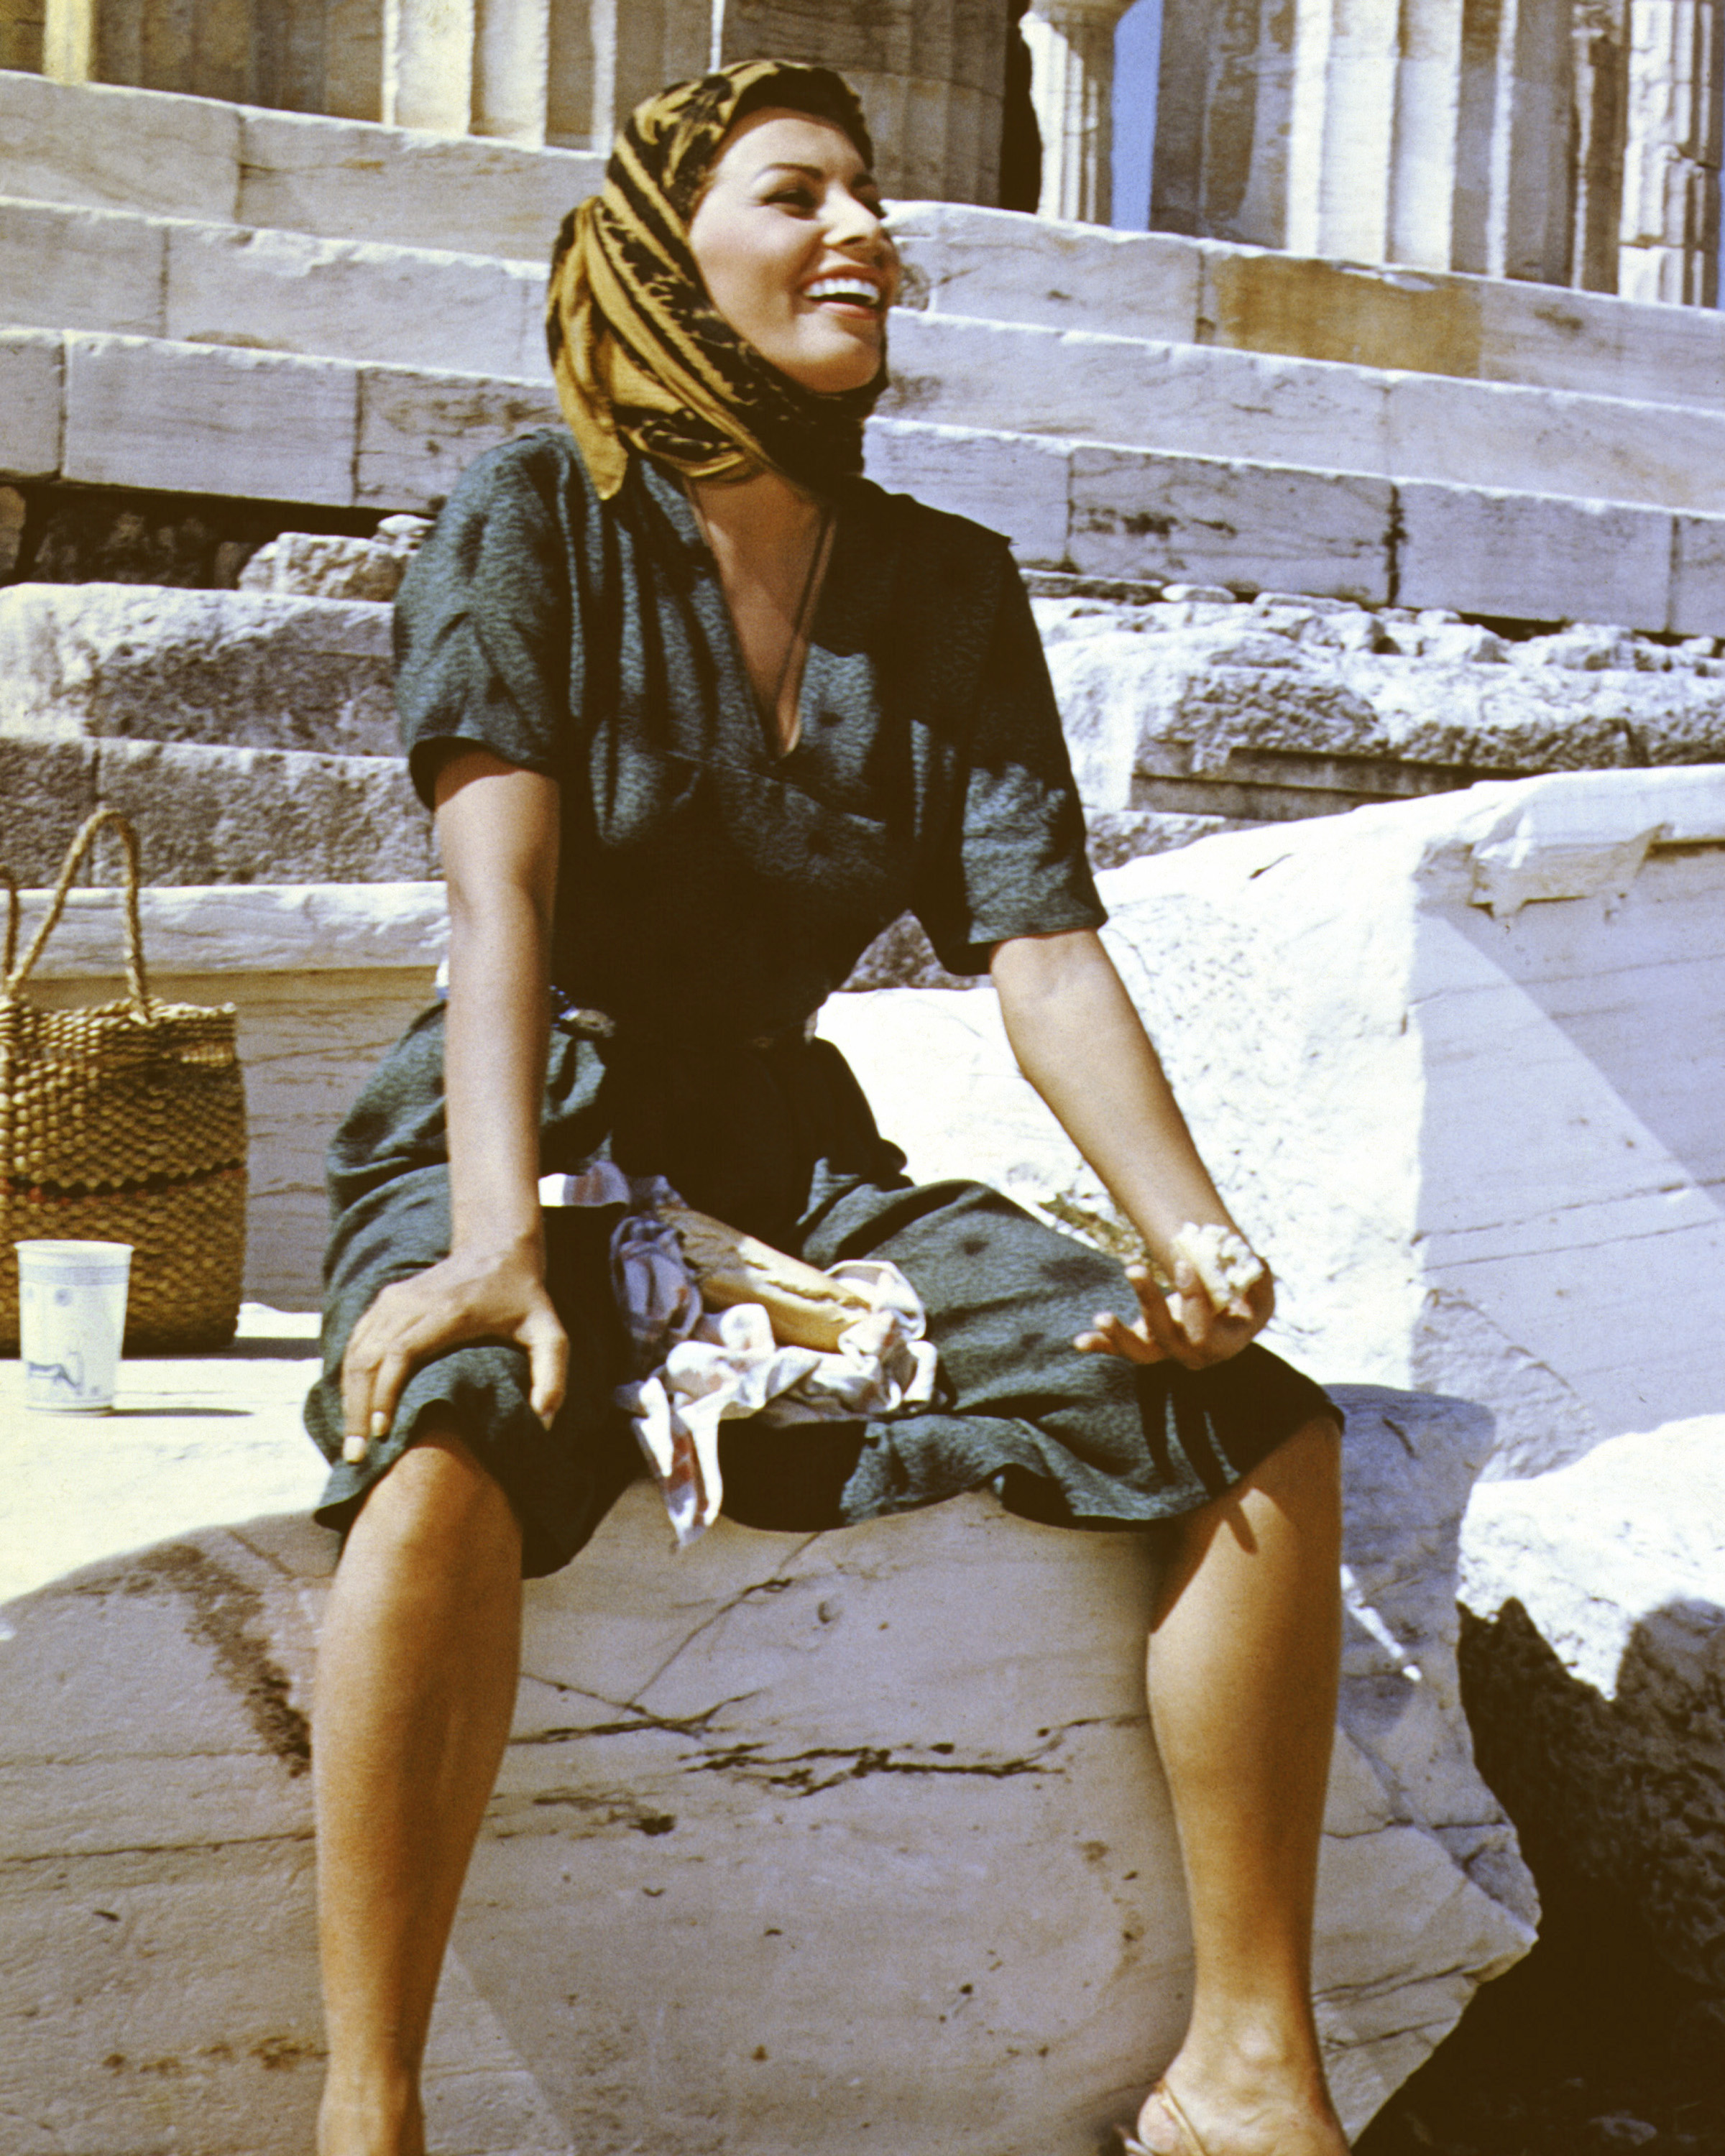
{"type": "Point", "coordinates": [124, 1123]}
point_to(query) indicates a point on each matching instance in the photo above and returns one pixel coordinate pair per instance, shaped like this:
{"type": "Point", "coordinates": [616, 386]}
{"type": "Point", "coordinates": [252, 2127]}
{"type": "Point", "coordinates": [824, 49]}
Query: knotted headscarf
{"type": "Point", "coordinates": [643, 359]}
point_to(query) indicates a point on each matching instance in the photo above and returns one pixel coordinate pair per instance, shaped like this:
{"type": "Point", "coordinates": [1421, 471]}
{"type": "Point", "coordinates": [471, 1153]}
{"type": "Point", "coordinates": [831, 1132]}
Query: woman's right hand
{"type": "Point", "coordinates": [1186, 1327]}
{"type": "Point", "coordinates": [490, 1294]}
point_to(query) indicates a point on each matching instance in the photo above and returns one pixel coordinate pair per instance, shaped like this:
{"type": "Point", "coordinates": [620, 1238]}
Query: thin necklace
{"type": "Point", "coordinates": [799, 630]}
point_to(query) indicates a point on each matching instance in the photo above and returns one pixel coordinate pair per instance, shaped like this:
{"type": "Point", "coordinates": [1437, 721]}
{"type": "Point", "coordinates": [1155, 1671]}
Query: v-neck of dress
{"type": "Point", "coordinates": [765, 730]}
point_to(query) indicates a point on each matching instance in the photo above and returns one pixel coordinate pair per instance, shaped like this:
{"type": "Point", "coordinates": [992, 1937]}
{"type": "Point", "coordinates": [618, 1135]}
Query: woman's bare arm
{"type": "Point", "coordinates": [1080, 1043]}
{"type": "Point", "coordinates": [497, 829]}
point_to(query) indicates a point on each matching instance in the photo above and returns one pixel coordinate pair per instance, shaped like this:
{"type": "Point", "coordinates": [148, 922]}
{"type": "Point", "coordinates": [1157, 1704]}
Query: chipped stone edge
{"type": "Point", "coordinates": [218, 928]}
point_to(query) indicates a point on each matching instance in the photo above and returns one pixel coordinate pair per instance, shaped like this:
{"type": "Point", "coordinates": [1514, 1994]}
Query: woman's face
{"type": "Point", "coordinates": [789, 241]}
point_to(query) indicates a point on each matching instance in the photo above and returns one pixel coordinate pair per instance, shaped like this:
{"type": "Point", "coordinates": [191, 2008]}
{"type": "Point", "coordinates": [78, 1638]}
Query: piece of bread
{"type": "Point", "coordinates": [807, 1309]}
{"type": "Point", "coordinates": [1227, 1266]}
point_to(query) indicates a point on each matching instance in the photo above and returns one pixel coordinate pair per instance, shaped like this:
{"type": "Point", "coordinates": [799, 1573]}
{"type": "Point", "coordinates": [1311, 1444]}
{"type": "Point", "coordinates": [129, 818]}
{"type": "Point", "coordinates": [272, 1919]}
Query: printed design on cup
{"type": "Point", "coordinates": [71, 1323]}
{"type": "Point", "coordinates": [69, 1371]}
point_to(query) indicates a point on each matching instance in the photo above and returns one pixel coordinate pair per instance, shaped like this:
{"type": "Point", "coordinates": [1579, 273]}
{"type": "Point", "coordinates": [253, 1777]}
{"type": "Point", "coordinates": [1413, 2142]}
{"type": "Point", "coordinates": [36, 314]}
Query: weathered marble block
{"type": "Point", "coordinates": [1595, 1660]}
{"type": "Point", "coordinates": [205, 812]}
{"type": "Point", "coordinates": [207, 419]}
{"type": "Point", "coordinates": [32, 403]}
{"type": "Point", "coordinates": [799, 1839]}
{"type": "Point", "coordinates": [1316, 698]}
{"type": "Point", "coordinates": [246, 668]}
{"type": "Point", "coordinates": [1454, 1064]}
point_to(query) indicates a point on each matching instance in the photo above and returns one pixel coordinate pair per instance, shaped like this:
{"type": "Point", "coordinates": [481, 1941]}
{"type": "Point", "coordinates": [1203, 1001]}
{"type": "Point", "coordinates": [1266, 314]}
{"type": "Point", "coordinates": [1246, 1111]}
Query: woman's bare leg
{"type": "Point", "coordinates": [416, 1685]}
{"type": "Point", "coordinates": [1244, 1650]}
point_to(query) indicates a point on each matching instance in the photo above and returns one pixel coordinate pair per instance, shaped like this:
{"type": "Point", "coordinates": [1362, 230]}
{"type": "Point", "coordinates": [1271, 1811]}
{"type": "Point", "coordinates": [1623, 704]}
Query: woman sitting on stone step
{"type": "Point", "coordinates": [700, 710]}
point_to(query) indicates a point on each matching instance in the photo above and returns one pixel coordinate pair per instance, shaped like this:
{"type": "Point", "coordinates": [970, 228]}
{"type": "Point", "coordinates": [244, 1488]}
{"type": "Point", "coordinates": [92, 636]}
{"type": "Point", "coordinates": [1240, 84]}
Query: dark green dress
{"type": "Point", "coordinates": [710, 895]}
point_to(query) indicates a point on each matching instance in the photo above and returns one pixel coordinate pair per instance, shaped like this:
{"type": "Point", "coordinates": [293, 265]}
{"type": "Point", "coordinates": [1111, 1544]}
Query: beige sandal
{"type": "Point", "coordinates": [1190, 2145]}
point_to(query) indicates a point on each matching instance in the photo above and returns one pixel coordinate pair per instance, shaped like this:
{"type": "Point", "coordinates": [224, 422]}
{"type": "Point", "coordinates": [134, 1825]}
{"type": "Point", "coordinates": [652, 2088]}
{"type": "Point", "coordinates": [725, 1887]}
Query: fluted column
{"type": "Point", "coordinates": [428, 65]}
{"type": "Point", "coordinates": [1071, 45]}
{"type": "Point", "coordinates": [1430, 133]}
{"type": "Point", "coordinates": [1601, 77]}
{"type": "Point", "coordinates": [1670, 233]}
{"type": "Point", "coordinates": [930, 73]}
{"type": "Point", "coordinates": [511, 56]}
{"type": "Point", "coordinates": [69, 41]}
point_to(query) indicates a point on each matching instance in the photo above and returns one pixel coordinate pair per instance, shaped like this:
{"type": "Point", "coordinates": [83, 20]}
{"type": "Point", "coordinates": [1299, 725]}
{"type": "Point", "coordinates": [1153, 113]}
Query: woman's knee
{"type": "Point", "coordinates": [439, 1505]}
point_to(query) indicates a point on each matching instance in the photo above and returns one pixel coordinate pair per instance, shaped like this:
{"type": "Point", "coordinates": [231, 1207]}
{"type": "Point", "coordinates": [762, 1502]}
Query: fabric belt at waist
{"type": "Point", "coordinates": [588, 1023]}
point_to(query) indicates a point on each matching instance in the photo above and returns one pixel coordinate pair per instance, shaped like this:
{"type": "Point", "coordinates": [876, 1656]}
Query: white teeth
{"type": "Point", "coordinates": [843, 288]}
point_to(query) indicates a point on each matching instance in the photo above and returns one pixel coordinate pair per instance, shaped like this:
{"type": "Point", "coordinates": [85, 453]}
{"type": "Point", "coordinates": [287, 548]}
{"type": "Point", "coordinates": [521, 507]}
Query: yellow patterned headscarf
{"type": "Point", "coordinates": [643, 359]}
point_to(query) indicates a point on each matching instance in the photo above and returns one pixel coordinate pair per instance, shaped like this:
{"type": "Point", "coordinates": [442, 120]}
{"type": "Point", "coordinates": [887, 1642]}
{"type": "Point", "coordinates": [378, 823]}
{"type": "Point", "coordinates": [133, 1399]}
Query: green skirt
{"type": "Point", "coordinates": [778, 1141]}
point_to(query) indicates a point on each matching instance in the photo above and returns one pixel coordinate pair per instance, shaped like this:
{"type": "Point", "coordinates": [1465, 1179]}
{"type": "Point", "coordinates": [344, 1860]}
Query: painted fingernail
{"type": "Point", "coordinates": [380, 1423]}
{"type": "Point", "coordinates": [354, 1450]}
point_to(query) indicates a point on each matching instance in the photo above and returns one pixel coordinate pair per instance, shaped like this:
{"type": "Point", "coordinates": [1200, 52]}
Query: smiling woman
{"type": "Point", "coordinates": [700, 710]}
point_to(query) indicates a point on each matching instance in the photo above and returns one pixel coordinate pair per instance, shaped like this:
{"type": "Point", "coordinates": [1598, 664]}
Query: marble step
{"type": "Point", "coordinates": [106, 147]}
{"type": "Point", "coordinates": [65, 266]}
{"type": "Point", "coordinates": [1203, 400]}
{"type": "Point", "coordinates": [141, 411]}
{"type": "Point", "coordinates": [217, 283]}
{"type": "Point", "coordinates": [998, 265]}
{"type": "Point", "coordinates": [103, 146]}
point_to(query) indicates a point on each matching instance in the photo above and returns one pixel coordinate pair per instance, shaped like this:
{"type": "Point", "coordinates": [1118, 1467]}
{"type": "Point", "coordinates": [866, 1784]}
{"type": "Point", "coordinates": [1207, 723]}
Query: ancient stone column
{"type": "Point", "coordinates": [1430, 133]}
{"type": "Point", "coordinates": [1600, 64]}
{"type": "Point", "coordinates": [1670, 233]}
{"type": "Point", "coordinates": [930, 74]}
{"type": "Point", "coordinates": [1071, 45]}
{"type": "Point", "coordinates": [511, 54]}
{"type": "Point", "coordinates": [607, 56]}
{"type": "Point", "coordinates": [428, 65]}
{"type": "Point", "coordinates": [353, 59]}
{"type": "Point", "coordinates": [1511, 213]}
{"type": "Point", "coordinates": [68, 40]}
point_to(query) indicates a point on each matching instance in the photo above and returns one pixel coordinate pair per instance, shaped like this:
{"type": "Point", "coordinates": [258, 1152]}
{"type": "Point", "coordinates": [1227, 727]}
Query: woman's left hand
{"type": "Point", "coordinates": [1184, 1328]}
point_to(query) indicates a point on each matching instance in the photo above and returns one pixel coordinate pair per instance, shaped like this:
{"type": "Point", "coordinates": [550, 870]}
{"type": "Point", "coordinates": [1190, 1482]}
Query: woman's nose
{"type": "Point", "coordinates": [852, 223]}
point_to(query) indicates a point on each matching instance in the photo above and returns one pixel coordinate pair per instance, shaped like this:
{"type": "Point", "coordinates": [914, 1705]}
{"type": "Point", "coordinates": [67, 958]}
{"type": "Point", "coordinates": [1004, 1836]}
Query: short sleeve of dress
{"type": "Point", "coordinates": [484, 647]}
{"type": "Point", "coordinates": [1012, 861]}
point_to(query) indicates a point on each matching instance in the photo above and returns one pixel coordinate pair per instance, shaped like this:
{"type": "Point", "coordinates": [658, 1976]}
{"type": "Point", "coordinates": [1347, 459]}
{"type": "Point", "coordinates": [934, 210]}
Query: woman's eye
{"type": "Point", "coordinates": [798, 198]}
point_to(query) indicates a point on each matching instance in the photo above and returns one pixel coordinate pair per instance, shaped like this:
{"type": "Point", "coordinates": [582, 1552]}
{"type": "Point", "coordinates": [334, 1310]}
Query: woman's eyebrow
{"type": "Point", "coordinates": [813, 171]}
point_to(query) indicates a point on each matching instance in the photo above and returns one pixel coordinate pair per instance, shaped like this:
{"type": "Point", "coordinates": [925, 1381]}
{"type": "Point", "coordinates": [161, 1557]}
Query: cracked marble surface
{"type": "Point", "coordinates": [837, 1842]}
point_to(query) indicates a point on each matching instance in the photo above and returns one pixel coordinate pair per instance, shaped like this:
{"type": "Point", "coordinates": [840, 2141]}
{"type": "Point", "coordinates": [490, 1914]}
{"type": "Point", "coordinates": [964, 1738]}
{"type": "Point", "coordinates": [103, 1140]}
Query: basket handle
{"type": "Point", "coordinates": [10, 880]}
{"type": "Point", "coordinates": [16, 975]}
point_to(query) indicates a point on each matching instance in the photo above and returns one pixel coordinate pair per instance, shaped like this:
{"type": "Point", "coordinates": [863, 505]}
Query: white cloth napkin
{"type": "Point", "coordinates": [706, 1367]}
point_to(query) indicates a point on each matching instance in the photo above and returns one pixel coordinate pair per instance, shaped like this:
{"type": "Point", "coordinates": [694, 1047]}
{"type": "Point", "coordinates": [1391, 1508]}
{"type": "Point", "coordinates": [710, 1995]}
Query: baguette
{"type": "Point", "coordinates": [807, 1309]}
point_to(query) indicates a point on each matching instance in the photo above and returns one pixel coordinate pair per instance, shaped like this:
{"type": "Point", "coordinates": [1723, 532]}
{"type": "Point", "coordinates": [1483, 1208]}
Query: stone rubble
{"type": "Point", "coordinates": [323, 567]}
{"type": "Point", "coordinates": [1199, 686]}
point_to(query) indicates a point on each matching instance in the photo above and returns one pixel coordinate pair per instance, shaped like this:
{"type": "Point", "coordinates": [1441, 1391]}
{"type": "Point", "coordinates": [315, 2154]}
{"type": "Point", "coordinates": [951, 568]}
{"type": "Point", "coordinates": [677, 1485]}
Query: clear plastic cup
{"type": "Point", "coordinates": [71, 1321]}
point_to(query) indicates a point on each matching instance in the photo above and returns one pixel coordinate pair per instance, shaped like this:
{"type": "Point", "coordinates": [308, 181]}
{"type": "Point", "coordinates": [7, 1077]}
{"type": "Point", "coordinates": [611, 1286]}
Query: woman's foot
{"type": "Point", "coordinates": [1239, 2113]}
